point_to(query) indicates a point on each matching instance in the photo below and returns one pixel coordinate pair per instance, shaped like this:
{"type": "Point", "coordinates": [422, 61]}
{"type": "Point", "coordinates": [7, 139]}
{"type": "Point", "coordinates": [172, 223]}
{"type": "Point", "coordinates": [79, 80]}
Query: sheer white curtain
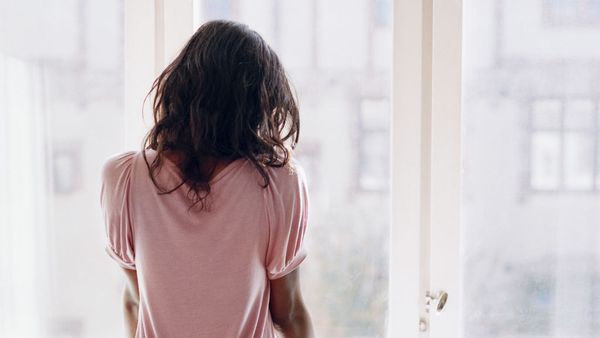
{"type": "Point", "coordinates": [23, 198]}
{"type": "Point", "coordinates": [61, 114]}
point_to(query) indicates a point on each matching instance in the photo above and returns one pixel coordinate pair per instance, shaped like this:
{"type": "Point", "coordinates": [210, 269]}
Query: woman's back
{"type": "Point", "coordinates": [204, 273]}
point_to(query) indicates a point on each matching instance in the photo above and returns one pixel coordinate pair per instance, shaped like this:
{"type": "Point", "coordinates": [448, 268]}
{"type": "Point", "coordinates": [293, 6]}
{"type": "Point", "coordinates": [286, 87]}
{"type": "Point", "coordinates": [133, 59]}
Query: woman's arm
{"type": "Point", "coordinates": [131, 301]}
{"type": "Point", "coordinates": [288, 311]}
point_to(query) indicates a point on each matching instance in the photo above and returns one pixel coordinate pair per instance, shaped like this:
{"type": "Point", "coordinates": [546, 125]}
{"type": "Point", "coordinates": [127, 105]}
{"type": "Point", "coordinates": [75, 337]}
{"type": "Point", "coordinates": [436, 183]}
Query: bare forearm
{"type": "Point", "coordinates": [131, 302]}
{"type": "Point", "coordinates": [131, 319]}
{"type": "Point", "coordinates": [298, 326]}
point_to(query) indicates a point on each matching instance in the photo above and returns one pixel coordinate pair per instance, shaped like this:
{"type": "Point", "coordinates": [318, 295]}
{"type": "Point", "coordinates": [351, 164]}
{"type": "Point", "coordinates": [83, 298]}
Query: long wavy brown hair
{"type": "Point", "coordinates": [225, 96]}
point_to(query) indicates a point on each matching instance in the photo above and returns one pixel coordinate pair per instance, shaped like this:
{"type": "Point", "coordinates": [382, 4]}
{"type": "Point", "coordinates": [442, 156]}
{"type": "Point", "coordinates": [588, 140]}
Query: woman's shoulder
{"type": "Point", "coordinates": [115, 164]}
{"type": "Point", "coordinates": [290, 174]}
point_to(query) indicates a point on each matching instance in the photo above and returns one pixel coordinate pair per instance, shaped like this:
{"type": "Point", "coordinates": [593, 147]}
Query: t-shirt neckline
{"type": "Point", "coordinates": [228, 168]}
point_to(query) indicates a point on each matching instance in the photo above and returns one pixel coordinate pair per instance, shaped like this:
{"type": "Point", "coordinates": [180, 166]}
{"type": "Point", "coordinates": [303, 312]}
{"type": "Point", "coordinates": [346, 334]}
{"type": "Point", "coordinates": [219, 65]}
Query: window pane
{"type": "Point", "coordinates": [374, 114]}
{"type": "Point", "coordinates": [579, 161]}
{"type": "Point", "coordinates": [530, 251]}
{"type": "Point", "coordinates": [573, 12]}
{"type": "Point", "coordinates": [546, 114]}
{"type": "Point", "coordinates": [597, 146]}
{"type": "Point", "coordinates": [545, 160]}
{"type": "Point", "coordinates": [598, 115]}
{"type": "Point", "coordinates": [579, 114]}
{"type": "Point", "coordinates": [340, 66]}
{"type": "Point", "coordinates": [374, 161]}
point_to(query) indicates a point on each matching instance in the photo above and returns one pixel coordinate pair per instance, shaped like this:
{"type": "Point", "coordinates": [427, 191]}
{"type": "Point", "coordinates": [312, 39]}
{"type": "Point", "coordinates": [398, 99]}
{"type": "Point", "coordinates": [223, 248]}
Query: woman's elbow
{"type": "Point", "coordinates": [295, 323]}
{"type": "Point", "coordinates": [130, 302]}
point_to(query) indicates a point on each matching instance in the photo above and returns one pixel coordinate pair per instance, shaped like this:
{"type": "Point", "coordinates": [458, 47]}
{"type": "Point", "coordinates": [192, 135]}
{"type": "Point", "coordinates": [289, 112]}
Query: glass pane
{"type": "Point", "coordinates": [61, 113]}
{"type": "Point", "coordinates": [579, 114]}
{"type": "Point", "coordinates": [597, 161]}
{"type": "Point", "coordinates": [530, 251]}
{"type": "Point", "coordinates": [374, 164]}
{"type": "Point", "coordinates": [573, 12]}
{"type": "Point", "coordinates": [546, 114]}
{"type": "Point", "coordinates": [598, 115]}
{"type": "Point", "coordinates": [340, 66]}
{"type": "Point", "coordinates": [374, 114]}
{"type": "Point", "coordinates": [545, 160]}
{"type": "Point", "coordinates": [579, 161]}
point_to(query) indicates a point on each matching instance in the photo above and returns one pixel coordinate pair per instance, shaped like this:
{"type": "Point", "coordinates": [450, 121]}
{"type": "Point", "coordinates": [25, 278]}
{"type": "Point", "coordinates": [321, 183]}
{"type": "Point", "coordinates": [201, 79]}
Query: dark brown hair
{"type": "Point", "coordinates": [225, 96]}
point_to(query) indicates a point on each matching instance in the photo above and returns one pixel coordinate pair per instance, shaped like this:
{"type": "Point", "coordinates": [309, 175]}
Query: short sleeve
{"type": "Point", "coordinates": [288, 218]}
{"type": "Point", "coordinates": [114, 201]}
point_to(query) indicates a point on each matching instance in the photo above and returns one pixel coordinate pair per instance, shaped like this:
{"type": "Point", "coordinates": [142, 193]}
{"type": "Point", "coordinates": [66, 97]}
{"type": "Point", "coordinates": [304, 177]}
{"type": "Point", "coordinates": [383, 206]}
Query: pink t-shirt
{"type": "Point", "coordinates": [204, 273]}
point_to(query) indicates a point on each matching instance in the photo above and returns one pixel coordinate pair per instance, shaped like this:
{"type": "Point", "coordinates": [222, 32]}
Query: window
{"type": "Point", "coordinates": [572, 12]}
{"type": "Point", "coordinates": [564, 145]}
{"type": "Point", "coordinates": [529, 266]}
{"type": "Point", "coordinates": [373, 139]}
{"type": "Point", "coordinates": [340, 66]}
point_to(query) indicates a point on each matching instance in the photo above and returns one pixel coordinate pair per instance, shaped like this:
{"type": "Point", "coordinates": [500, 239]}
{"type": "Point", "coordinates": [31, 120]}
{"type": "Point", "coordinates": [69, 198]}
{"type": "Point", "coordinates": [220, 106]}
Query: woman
{"type": "Point", "coordinates": [208, 219]}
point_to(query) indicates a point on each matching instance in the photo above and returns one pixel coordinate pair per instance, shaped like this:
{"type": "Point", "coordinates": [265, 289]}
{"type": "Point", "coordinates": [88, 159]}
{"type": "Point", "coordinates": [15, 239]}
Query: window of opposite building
{"type": "Point", "coordinates": [564, 145]}
{"type": "Point", "coordinates": [572, 12]}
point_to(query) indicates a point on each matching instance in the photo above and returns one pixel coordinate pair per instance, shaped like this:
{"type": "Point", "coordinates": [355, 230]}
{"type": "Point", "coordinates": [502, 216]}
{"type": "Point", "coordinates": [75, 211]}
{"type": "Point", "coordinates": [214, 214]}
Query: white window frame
{"type": "Point", "coordinates": [154, 32]}
{"type": "Point", "coordinates": [425, 233]}
{"type": "Point", "coordinates": [424, 254]}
